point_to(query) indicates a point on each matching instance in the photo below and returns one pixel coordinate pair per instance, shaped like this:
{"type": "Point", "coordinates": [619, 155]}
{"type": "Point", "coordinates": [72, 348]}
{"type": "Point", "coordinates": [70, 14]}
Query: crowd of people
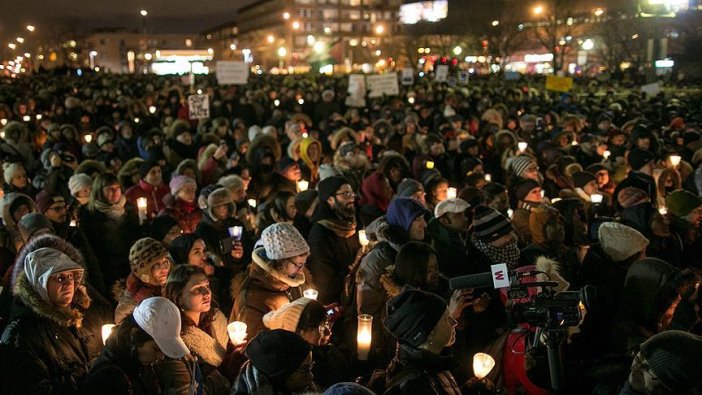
{"type": "Point", "coordinates": [290, 214]}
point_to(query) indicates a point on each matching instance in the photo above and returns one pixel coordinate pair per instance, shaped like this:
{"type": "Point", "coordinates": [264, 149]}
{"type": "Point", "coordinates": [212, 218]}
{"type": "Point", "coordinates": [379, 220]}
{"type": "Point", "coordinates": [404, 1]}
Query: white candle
{"type": "Point", "coordinates": [606, 154]}
{"type": "Point", "coordinates": [88, 138]}
{"type": "Point", "coordinates": [675, 160]}
{"type": "Point", "coordinates": [488, 177]}
{"type": "Point", "coordinates": [510, 212]}
{"type": "Point", "coordinates": [310, 294]}
{"type": "Point", "coordinates": [663, 210]}
{"type": "Point", "coordinates": [26, 118]}
{"type": "Point", "coordinates": [302, 185]}
{"type": "Point", "coordinates": [482, 365]}
{"type": "Point", "coordinates": [106, 332]}
{"type": "Point", "coordinates": [522, 145]}
{"type": "Point", "coordinates": [362, 238]}
{"type": "Point", "coordinates": [152, 109]}
{"type": "Point", "coordinates": [452, 193]}
{"type": "Point", "coordinates": [237, 332]}
{"type": "Point", "coordinates": [141, 209]}
{"type": "Point", "coordinates": [596, 198]}
{"type": "Point", "coordinates": [363, 336]}
{"type": "Point", "coordinates": [73, 223]}
{"type": "Point", "coordinates": [430, 164]}
{"type": "Point", "coordinates": [252, 203]}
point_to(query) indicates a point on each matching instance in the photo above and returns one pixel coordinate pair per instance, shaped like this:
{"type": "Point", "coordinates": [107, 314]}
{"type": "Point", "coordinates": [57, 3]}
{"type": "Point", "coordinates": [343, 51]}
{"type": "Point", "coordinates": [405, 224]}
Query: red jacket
{"type": "Point", "coordinates": [154, 196]}
{"type": "Point", "coordinates": [188, 215]}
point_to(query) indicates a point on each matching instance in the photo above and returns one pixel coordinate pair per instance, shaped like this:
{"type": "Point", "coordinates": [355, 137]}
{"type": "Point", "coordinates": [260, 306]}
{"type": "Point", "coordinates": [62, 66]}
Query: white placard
{"type": "Point", "coordinates": [199, 106]}
{"type": "Point", "coordinates": [407, 76]}
{"type": "Point", "coordinates": [357, 91]}
{"type": "Point", "coordinates": [441, 74]}
{"type": "Point", "coordinates": [383, 84]}
{"type": "Point", "coordinates": [651, 89]}
{"type": "Point", "coordinates": [463, 77]}
{"type": "Point", "coordinates": [500, 275]}
{"type": "Point", "coordinates": [231, 72]}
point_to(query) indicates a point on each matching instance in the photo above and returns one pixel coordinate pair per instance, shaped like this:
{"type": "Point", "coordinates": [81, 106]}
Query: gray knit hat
{"type": "Point", "coordinates": [286, 317]}
{"type": "Point", "coordinates": [675, 357]}
{"type": "Point", "coordinates": [78, 182]}
{"type": "Point", "coordinates": [520, 163]}
{"type": "Point", "coordinates": [283, 241]}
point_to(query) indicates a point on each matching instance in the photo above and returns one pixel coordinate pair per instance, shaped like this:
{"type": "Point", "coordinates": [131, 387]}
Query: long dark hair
{"type": "Point", "coordinates": [178, 277]}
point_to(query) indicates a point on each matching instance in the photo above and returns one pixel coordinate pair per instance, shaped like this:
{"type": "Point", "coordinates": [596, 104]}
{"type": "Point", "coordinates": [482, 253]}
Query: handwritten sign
{"type": "Point", "coordinates": [199, 106]}
{"type": "Point", "coordinates": [441, 74]}
{"type": "Point", "coordinates": [383, 84]}
{"type": "Point", "coordinates": [558, 84]}
{"type": "Point", "coordinates": [407, 76]}
{"type": "Point", "coordinates": [463, 77]}
{"type": "Point", "coordinates": [357, 91]}
{"type": "Point", "coordinates": [231, 72]}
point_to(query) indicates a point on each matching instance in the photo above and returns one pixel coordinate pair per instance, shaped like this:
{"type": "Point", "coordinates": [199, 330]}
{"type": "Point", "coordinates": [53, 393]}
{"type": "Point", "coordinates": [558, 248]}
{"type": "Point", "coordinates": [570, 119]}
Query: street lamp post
{"type": "Point", "coordinates": [93, 54]}
{"type": "Point", "coordinates": [143, 14]}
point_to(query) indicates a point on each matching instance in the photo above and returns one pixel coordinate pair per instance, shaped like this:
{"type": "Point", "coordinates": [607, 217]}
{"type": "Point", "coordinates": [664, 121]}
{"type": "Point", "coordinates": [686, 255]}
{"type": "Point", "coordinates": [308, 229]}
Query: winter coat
{"type": "Point", "coordinates": [154, 196]}
{"type": "Point", "coordinates": [450, 247]}
{"type": "Point", "coordinates": [376, 191]}
{"type": "Point", "coordinates": [331, 256]}
{"type": "Point", "coordinates": [415, 371]}
{"type": "Point", "coordinates": [639, 180]}
{"type": "Point", "coordinates": [264, 290]}
{"type": "Point", "coordinates": [130, 297]}
{"type": "Point", "coordinates": [10, 236]}
{"type": "Point", "coordinates": [44, 350]}
{"type": "Point", "coordinates": [253, 381]}
{"type": "Point", "coordinates": [188, 215]}
{"type": "Point", "coordinates": [210, 352]}
{"type": "Point", "coordinates": [111, 240]}
{"type": "Point", "coordinates": [214, 232]}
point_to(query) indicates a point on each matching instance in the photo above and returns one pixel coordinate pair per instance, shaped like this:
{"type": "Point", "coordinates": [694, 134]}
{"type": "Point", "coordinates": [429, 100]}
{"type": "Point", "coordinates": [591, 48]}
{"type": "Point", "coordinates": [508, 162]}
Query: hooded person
{"type": "Point", "coordinates": [150, 263]}
{"type": "Point", "coordinates": [333, 239]}
{"type": "Point", "coordinates": [275, 278]}
{"type": "Point", "coordinates": [45, 348]}
{"type": "Point", "coordinates": [150, 187]}
{"type": "Point", "coordinates": [280, 362]}
{"type": "Point", "coordinates": [376, 191]}
{"type": "Point", "coordinates": [14, 207]}
{"type": "Point", "coordinates": [311, 156]}
{"type": "Point", "coordinates": [16, 143]}
{"type": "Point", "coordinates": [15, 179]}
{"type": "Point", "coordinates": [181, 203]}
{"type": "Point", "coordinates": [421, 324]}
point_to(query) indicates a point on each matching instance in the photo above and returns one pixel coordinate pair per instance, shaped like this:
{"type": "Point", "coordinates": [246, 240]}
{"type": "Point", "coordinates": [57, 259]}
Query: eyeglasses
{"type": "Point", "coordinates": [306, 368]}
{"type": "Point", "coordinates": [64, 278]}
{"type": "Point", "coordinates": [298, 267]}
{"type": "Point", "coordinates": [347, 195]}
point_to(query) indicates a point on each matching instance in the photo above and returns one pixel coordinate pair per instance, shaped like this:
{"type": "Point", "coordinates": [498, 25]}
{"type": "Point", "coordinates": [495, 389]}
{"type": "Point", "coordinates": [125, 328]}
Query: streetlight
{"type": "Point", "coordinates": [93, 54]}
{"type": "Point", "coordinates": [296, 25]}
{"type": "Point", "coordinates": [588, 44]}
{"type": "Point", "coordinates": [286, 15]}
{"type": "Point", "coordinates": [143, 14]}
{"type": "Point", "coordinates": [282, 52]}
{"type": "Point", "coordinates": [599, 12]}
{"type": "Point", "coordinates": [538, 10]}
{"type": "Point", "coordinates": [30, 28]}
{"type": "Point", "coordinates": [495, 22]}
{"type": "Point", "coordinates": [20, 40]}
{"type": "Point", "coordinates": [457, 50]}
{"type": "Point", "coordinates": [311, 40]}
{"type": "Point", "coordinates": [379, 29]}
{"type": "Point", "coordinates": [319, 47]}
{"type": "Point", "coordinates": [270, 39]}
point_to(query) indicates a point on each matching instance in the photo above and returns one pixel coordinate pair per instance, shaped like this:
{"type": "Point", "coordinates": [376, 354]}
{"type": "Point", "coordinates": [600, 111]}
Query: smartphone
{"type": "Point", "coordinates": [235, 232]}
{"type": "Point", "coordinates": [226, 245]}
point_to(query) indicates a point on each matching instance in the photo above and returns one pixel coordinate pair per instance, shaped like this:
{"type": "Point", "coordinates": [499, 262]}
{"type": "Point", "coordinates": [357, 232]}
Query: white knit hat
{"type": "Point", "coordinates": [620, 241]}
{"type": "Point", "coordinates": [283, 241]}
{"type": "Point", "coordinates": [79, 181]}
{"type": "Point", "coordinates": [286, 317]}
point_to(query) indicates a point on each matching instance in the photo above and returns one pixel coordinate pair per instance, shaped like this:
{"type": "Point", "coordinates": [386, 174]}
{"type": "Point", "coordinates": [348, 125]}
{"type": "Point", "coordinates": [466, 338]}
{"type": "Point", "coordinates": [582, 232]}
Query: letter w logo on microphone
{"type": "Point", "coordinates": [500, 279]}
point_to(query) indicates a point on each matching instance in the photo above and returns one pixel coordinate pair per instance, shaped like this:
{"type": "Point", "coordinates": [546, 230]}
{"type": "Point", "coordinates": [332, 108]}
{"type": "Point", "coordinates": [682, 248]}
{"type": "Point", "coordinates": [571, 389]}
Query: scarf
{"type": "Point", "coordinates": [114, 211]}
{"type": "Point", "coordinates": [140, 290]}
{"type": "Point", "coordinates": [508, 254]}
{"type": "Point", "coordinates": [342, 228]}
{"type": "Point", "coordinates": [528, 206]}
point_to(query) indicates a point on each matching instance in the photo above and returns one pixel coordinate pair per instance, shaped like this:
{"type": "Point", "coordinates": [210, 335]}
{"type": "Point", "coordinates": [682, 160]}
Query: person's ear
{"type": "Point", "coordinates": [330, 201]}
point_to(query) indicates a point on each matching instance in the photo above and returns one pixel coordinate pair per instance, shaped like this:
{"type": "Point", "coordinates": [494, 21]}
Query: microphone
{"type": "Point", "coordinates": [480, 280]}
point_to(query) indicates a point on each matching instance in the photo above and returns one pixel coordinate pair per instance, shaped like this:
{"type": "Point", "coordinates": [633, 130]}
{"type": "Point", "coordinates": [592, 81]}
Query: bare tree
{"type": "Point", "coordinates": [553, 28]}
{"type": "Point", "coordinates": [620, 42]}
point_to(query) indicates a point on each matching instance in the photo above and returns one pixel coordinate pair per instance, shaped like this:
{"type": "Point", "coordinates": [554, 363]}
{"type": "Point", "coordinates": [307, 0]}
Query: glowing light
{"type": "Point", "coordinates": [152, 109]}
{"type": "Point", "coordinates": [302, 185]}
{"type": "Point", "coordinates": [143, 13]}
{"type": "Point", "coordinates": [495, 22]}
{"type": "Point", "coordinates": [452, 193]}
{"type": "Point", "coordinates": [522, 145]}
{"type": "Point", "coordinates": [380, 29]}
{"type": "Point", "coordinates": [106, 332]}
{"type": "Point", "coordinates": [319, 47]}
{"type": "Point", "coordinates": [538, 10]}
{"type": "Point", "coordinates": [457, 50]}
{"type": "Point", "coordinates": [20, 40]}
{"type": "Point", "coordinates": [675, 160]}
{"type": "Point", "coordinates": [310, 293]}
{"type": "Point", "coordinates": [588, 45]}
{"type": "Point", "coordinates": [270, 39]}
{"type": "Point", "coordinates": [300, 101]}
{"type": "Point", "coordinates": [596, 198]}
{"type": "Point", "coordinates": [599, 12]}
{"type": "Point", "coordinates": [276, 102]}
{"type": "Point", "coordinates": [363, 238]}
{"type": "Point", "coordinates": [30, 28]}
{"type": "Point", "coordinates": [286, 15]}
{"type": "Point", "coordinates": [282, 52]}
{"type": "Point", "coordinates": [12, 45]}
{"type": "Point", "coordinates": [237, 332]}
{"type": "Point", "coordinates": [252, 202]}
{"type": "Point", "coordinates": [311, 40]}
{"type": "Point", "coordinates": [363, 336]}
{"type": "Point", "coordinates": [296, 25]}
{"type": "Point", "coordinates": [482, 365]}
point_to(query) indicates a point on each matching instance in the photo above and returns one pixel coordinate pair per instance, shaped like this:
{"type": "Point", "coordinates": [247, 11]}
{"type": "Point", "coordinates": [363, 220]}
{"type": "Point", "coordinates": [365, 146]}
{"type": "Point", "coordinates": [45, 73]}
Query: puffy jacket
{"type": "Point", "coordinates": [154, 196]}
{"type": "Point", "coordinates": [188, 215]}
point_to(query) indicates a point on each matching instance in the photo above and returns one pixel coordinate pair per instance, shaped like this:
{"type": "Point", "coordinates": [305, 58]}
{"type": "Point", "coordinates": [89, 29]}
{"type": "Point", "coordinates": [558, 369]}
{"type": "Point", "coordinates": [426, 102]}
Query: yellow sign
{"type": "Point", "coordinates": [558, 84]}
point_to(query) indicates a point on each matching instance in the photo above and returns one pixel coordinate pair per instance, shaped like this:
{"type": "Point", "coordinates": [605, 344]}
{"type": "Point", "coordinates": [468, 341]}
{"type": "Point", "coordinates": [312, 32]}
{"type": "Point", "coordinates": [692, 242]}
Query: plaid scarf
{"type": "Point", "coordinates": [508, 254]}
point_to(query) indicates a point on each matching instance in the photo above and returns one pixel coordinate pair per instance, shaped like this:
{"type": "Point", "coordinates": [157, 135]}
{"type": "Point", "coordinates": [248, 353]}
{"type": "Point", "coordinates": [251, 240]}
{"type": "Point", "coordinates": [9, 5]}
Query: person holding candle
{"type": "Point", "coordinates": [181, 203]}
{"type": "Point", "coordinates": [311, 156]}
{"type": "Point", "coordinates": [150, 263]}
{"type": "Point", "coordinates": [214, 229]}
{"type": "Point", "coordinates": [309, 319]}
{"type": "Point", "coordinates": [111, 227]}
{"type": "Point", "coordinates": [204, 327]}
{"type": "Point", "coordinates": [275, 278]}
{"type": "Point", "coordinates": [150, 186]}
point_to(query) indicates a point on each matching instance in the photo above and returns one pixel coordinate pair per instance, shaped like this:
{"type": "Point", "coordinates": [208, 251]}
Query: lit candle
{"type": "Point", "coordinates": [510, 212]}
{"type": "Point", "coordinates": [362, 238]}
{"type": "Point", "coordinates": [596, 198]}
{"type": "Point", "coordinates": [675, 160]}
{"type": "Point", "coordinates": [663, 210]}
{"type": "Point", "coordinates": [522, 146]}
{"type": "Point", "coordinates": [482, 365]}
{"type": "Point", "coordinates": [363, 336]}
{"type": "Point", "coordinates": [106, 332]}
{"type": "Point", "coordinates": [488, 177]}
{"type": "Point", "coordinates": [141, 208]}
{"type": "Point", "coordinates": [302, 185]}
{"type": "Point", "coordinates": [252, 202]}
{"type": "Point", "coordinates": [237, 332]}
{"type": "Point", "coordinates": [575, 142]}
{"type": "Point", "coordinates": [430, 164]}
{"type": "Point", "coordinates": [26, 118]}
{"type": "Point", "coordinates": [606, 154]}
{"type": "Point", "coordinates": [73, 223]}
{"type": "Point", "coordinates": [310, 294]}
{"type": "Point", "coordinates": [452, 193]}
{"type": "Point", "coordinates": [3, 122]}
{"type": "Point", "coordinates": [152, 109]}
{"type": "Point", "coordinates": [88, 138]}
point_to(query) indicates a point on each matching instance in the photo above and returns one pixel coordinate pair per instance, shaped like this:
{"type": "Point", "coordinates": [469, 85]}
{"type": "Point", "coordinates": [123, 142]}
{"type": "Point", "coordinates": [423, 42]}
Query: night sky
{"type": "Point", "coordinates": [60, 16]}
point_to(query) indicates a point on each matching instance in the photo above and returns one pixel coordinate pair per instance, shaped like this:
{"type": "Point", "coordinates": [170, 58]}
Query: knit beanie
{"type": "Point", "coordinates": [326, 170]}
{"type": "Point", "coordinates": [328, 186]}
{"type": "Point", "coordinates": [523, 187]}
{"type": "Point", "coordinates": [403, 211]}
{"type": "Point", "coordinates": [304, 199]}
{"type": "Point", "coordinates": [620, 241]}
{"type": "Point", "coordinates": [520, 164]}
{"type": "Point", "coordinates": [78, 182]}
{"type": "Point", "coordinates": [286, 317]}
{"type": "Point", "coordinates": [161, 225]}
{"type": "Point", "coordinates": [489, 225]}
{"type": "Point", "coordinates": [412, 315]}
{"type": "Point", "coordinates": [145, 167]}
{"type": "Point", "coordinates": [277, 353]}
{"type": "Point", "coordinates": [179, 182]}
{"type": "Point", "coordinates": [675, 358]}
{"type": "Point", "coordinates": [45, 199]}
{"type": "Point", "coordinates": [681, 202]}
{"type": "Point", "coordinates": [638, 158]}
{"type": "Point", "coordinates": [231, 182]}
{"type": "Point", "coordinates": [283, 241]}
{"type": "Point", "coordinates": [284, 164]}
{"type": "Point", "coordinates": [10, 170]}
{"type": "Point", "coordinates": [538, 218]}
{"type": "Point", "coordinates": [582, 178]}
{"type": "Point", "coordinates": [31, 223]}
{"type": "Point", "coordinates": [631, 196]}
{"type": "Point", "coordinates": [408, 187]}
{"type": "Point", "coordinates": [143, 255]}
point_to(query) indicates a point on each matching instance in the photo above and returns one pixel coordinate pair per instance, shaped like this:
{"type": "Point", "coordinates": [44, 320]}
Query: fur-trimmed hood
{"type": "Point", "coordinates": [263, 141]}
{"type": "Point", "coordinates": [8, 201]}
{"type": "Point", "coordinates": [210, 349]}
{"type": "Point", "coordinates": [341, 135]}
{"type": "Point", "coordinates": [278, 280]}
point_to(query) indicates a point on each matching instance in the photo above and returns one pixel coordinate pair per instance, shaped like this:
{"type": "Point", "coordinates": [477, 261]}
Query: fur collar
{"type": "Point", "coordinates": [210, 349]}
{"type": "Point", "coordinates": [72, 316]}
{"type": "Point", "coordinates": [263, 263]}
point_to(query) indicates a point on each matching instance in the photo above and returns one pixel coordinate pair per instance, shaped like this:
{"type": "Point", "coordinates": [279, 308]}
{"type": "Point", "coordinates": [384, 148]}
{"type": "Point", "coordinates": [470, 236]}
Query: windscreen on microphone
{"type": "Point", "coordinates": [480, 280]}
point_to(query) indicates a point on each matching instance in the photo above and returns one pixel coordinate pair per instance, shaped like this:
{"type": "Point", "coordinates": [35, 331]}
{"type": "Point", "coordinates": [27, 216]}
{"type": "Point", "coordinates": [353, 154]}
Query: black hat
{"type": "Point", "coordinates": [638, 158]}
{"type": "Point", "coordinates": [582, 178]}
{"type": "Point", "coordinates": [146, 166]}
{"type": "Point", "coordinates": [328, 186]}
{"type": "Point", "coordinates": [160, 226]}
{"type": "Point", "coordinates": [489, 225]}
{"type": "Point", "coordinates": [523, 187]}
{"type": "Point", "coordinates": [277, 353]}
{"type": "Point", "coordinates": [284, 163]}
{"type": "Point", "coordinates": [691, 136]}
{"type": "Point", "coordinates": [412, 315]}
{"type": "Point", "coordinates": [675, 357]}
